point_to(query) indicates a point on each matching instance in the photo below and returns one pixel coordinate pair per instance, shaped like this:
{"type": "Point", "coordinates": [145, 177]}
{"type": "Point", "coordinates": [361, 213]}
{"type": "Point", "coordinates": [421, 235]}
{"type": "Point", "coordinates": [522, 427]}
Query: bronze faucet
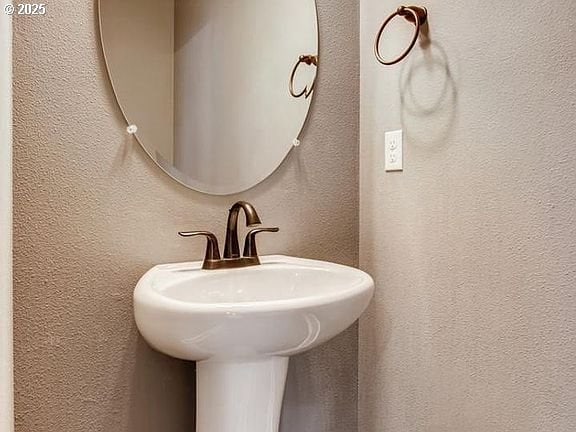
{"type": "Point", "coordinates": [231, 248]}
{"type": "Point", "coordinates": [232, 258]}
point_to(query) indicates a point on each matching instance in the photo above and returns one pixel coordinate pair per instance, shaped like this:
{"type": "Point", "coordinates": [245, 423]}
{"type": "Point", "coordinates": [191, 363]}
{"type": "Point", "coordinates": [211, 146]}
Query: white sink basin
{"type": "Point", "coordinates": [282, 307]}
{"type": "Point", "coordinates": [242, 324]}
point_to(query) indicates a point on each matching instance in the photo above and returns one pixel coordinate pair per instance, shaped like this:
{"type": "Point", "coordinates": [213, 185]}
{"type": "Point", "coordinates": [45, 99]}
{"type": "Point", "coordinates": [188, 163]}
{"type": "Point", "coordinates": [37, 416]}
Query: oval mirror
{"type": "Point", "coordinates": [218, 89]}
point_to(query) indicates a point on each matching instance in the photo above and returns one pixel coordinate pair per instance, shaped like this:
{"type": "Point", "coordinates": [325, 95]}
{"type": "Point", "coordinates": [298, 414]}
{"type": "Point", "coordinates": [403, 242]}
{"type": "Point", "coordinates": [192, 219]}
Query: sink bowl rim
{"type": "Point", "coordinates": [144, 294]}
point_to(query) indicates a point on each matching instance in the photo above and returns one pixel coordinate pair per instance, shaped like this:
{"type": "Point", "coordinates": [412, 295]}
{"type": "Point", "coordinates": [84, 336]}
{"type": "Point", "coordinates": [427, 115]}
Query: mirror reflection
{"type": "Point", "coordinates": [218, 89]}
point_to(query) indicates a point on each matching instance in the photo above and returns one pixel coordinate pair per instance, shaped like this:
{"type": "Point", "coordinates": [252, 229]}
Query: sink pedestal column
{"type": "Point", "coordinates": [240, 395]}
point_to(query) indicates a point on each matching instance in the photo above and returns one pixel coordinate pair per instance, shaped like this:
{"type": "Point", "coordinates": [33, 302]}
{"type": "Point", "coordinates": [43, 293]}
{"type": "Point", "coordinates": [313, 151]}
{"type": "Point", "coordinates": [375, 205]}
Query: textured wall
{"type": "Point", "coordinates": [473, 246]}
{"type": "Point", "coordinates": [6, 361]}
{"type": "Point", "coordinates": [93, 213]}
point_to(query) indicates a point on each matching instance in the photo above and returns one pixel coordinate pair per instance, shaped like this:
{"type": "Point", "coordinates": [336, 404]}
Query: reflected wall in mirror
{"type": "Point", "coordinates": [207, 83]}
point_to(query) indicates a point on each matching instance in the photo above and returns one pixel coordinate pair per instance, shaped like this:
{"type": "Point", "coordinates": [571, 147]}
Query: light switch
{"type": "Point", "coordinates": [393, 150]}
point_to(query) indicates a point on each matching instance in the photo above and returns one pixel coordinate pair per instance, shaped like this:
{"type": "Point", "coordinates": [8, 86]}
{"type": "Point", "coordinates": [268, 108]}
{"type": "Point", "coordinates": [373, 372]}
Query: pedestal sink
{"type": "Point", "coordinates": [241, 325]}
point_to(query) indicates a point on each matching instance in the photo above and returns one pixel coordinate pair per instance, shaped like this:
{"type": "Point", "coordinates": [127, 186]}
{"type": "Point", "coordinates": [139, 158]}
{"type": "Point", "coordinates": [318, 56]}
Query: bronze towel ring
{"type": "Point", "coordinates": [414, 14]}
{"type": "Point", "coordinates": [309, 60]}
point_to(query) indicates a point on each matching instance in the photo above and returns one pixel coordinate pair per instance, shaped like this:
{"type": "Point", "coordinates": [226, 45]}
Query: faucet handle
{"type": "Point", "coordinates": [250, 250]}
{"type": "Point", "coordinates": [212, 251]}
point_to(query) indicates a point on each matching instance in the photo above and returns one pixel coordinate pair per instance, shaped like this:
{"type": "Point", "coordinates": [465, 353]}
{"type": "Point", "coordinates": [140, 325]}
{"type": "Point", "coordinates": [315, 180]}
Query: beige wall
{"type": "Point", "coordinates": [473, 246]}
{"type": "Point", "coordinates": [6, 324]}
{"type": "Point", "coordinates": [93, 213]}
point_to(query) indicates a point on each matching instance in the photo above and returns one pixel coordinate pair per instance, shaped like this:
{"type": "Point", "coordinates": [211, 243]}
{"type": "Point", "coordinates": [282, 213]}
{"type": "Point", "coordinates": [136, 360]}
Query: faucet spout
{"type": "Point", "coordinates": [231, 247]}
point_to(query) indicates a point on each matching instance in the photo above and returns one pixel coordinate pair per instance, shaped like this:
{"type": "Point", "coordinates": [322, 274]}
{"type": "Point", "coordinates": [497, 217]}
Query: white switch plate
{"type": "Point", "coordinates": [393, 150]}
